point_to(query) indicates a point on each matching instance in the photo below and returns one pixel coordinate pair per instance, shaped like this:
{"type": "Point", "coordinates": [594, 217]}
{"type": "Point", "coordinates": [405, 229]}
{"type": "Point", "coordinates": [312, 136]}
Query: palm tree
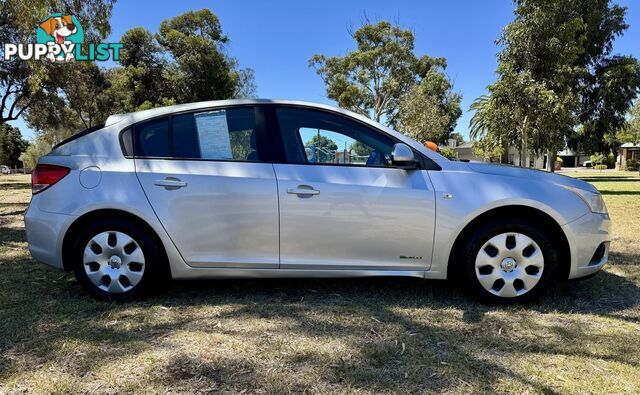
{"type": "Point", "coordinates": [479, 124]}
{"type": "Point", "coordinates": [479, 127]}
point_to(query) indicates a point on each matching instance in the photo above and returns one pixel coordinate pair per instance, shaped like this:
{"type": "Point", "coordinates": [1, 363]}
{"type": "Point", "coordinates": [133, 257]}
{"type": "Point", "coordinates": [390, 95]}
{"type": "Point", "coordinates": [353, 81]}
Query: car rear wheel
{"type": "Point", "coordinates": [508, 261]}
{"type": "Point", "coordinates": [116, 260]}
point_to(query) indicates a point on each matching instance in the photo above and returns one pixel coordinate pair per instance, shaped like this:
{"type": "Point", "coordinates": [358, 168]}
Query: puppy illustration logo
{"type": "Point", "coordinates": [60, 30]}
{"type": "Point", "coordinates": [60, 38]}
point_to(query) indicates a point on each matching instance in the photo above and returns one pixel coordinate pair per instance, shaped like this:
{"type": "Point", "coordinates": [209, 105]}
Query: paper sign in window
{"type": "Point", "coordinates": [213, 135]}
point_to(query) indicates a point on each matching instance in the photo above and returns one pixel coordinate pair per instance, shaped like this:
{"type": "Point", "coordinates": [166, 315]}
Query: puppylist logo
{"type": "Point", "coordinates": [60, 38]}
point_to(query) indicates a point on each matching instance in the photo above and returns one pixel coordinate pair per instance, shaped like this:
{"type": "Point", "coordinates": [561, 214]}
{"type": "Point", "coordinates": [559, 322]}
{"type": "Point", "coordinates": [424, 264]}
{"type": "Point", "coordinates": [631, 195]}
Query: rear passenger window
{"type": "Point", "coordinates": [152, 138]}
{"type": "Point", "coordinates": [228, 134]}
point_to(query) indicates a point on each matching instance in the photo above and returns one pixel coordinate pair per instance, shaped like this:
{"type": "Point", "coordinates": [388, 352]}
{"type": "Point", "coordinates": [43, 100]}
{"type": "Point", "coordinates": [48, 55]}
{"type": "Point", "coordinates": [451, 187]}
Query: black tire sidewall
{"type": "Point", "coordinates": [153, 258]}
{"type": "Point", "coordinates": [478, 237]}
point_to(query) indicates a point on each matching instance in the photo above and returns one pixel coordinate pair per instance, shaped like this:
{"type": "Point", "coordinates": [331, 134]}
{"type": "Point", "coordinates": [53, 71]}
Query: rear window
{"type": "Point", "coordinates": [228, 134]}
{"type": "Point", "coordinates": [78, 135]}
{"type": "Point", "coordinates": [152, 138]}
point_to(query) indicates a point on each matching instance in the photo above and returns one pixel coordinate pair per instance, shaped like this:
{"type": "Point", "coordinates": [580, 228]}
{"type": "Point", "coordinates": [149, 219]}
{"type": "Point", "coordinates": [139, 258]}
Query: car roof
{"type": "Point", "coordinates": [133, 117]}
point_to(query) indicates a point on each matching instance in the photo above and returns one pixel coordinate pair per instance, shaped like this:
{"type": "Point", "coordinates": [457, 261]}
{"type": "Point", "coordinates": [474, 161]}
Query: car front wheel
{"type": "Point", "coordinates": [507, 261]}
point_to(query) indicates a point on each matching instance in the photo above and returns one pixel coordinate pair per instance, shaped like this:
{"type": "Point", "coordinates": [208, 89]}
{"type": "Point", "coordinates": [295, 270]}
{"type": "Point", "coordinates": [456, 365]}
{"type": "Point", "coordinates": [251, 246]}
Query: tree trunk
{"type": "Point", "coordinates": [524, 162]}
{"type": "Point", "coordinates": [551, 161]}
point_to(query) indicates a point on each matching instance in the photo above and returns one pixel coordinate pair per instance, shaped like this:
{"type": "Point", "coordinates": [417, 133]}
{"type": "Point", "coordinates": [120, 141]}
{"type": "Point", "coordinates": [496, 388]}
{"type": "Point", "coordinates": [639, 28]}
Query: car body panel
{"type": "Point", "coordinates": [52, 212]}
{"type": "Point", "coordinates": [458, 193]}
{"type": "Point", "coordinates": [463, 194]}
{"type": "Point", "coordinates": [357, 207]}
{"type": "Point", "coordinates": [585, 234]}
{"type": "Point", "coordinates": [225, 216]}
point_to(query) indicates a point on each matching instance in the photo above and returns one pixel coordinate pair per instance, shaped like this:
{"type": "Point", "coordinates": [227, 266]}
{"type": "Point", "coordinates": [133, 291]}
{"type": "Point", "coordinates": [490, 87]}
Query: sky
{"type": "Point", "coordinates": [277, 38]}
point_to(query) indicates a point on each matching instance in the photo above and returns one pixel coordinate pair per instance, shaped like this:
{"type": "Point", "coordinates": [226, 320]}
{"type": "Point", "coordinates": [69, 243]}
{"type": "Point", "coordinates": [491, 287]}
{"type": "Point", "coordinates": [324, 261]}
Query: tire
{"type": "Point", "coordinates": [523, 268]}
{"type": "Point", "coordinates": [117, 260]}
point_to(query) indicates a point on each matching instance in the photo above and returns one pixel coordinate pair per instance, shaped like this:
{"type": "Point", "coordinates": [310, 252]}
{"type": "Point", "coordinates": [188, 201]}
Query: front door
{"type": "Point", "coordinates": [342, 204]}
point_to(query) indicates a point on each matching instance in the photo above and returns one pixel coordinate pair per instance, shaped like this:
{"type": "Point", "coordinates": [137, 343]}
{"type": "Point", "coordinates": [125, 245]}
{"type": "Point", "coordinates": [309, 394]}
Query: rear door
{"type": "Point", "coordinates": [342, 205]}
{"type": "Point", "coordinates": [205, 177]}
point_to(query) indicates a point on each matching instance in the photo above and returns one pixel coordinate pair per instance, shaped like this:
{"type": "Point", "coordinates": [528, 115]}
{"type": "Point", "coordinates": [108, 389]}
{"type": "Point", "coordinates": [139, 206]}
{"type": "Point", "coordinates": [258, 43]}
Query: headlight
{"type": "Point", "coordinates": [593, 200]}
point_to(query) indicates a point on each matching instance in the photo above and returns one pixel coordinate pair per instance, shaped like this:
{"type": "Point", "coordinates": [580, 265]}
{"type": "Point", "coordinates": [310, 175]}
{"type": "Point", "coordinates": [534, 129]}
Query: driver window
{"type": "Point", "coordinates": [316, 137]}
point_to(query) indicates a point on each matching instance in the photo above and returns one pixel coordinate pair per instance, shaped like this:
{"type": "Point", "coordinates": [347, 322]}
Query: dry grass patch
{"type": "Point", "coordinates": [318, 336]}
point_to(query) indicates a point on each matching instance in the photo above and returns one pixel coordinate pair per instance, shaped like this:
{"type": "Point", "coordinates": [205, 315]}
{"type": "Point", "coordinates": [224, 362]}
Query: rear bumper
{"type": "Point", "coordinates": [589, 238]}
{"type": "Point", "coordinates": [45, 233]}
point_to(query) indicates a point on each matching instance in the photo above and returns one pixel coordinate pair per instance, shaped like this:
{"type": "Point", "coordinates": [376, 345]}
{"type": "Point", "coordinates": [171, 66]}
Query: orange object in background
{"type": "Point", "coordinates": [431, 145]}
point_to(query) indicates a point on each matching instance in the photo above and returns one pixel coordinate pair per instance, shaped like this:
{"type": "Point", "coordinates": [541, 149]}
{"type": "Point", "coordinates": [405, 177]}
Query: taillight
{"type": "Point", "coordinates": [43, 176]}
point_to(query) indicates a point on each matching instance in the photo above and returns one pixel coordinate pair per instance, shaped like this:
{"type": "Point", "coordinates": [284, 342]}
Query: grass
{"type": "Point", "coordinates": [319, 336]}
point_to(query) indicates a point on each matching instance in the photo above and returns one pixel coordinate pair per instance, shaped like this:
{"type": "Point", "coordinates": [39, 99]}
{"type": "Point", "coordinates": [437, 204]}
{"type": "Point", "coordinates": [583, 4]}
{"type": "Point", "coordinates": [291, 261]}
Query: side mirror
{"type": "Point", "coordinates": [402, 157]}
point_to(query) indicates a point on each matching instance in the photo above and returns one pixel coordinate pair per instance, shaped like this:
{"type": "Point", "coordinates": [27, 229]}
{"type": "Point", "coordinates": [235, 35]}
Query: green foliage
{"type": "Point", "coordinates": [632, 165]}
{"type": "Point", "coordinates": [600, 167]}
{"type": "Point", "coordinates": [319, 140]}
{"type": "Point", "coordinates": [610, 160]}
{"type": "Point", "coordinates": [458, 137]}
{"type": "Point", "coordinates": [322, 145]}
{"type": "Point", "coordinates": [202, 71]}
{"type": "Point", "coordinates": [184, 62]}
{"type": "Point", "coordinates": [449, 153]}
{"type": "Point", "coordinates": [85, 96]}
{"type": "Point", "coordinates": [489, 147]}
{"type": "Point", "coordinates": [360, 149]}
{"type": "Point", "coordinates": [556, 73]}
{"type": "Point", "coordinates": [630, 133]}
{"type": "Point", "coordinates": [597, 159]}
{"type": "Point", "coordinates": [383, 79]}
{"type": "Point", "coordinates": [143, 71]}
{"type": "Point", "coordinates": [35, 151]}
{"type": "Point", "coordinates": [428, 114]}
{"type": "Point", "coordinates": [240, 142]}
{"type": "Point", "coordinates": [25, 83]}
{"type": "Point", "coordinates": [12, 145]}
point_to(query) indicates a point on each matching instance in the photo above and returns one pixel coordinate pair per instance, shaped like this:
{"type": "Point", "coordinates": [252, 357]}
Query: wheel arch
{"type": "Point", "coordinates": [94, 215]}
{"type": "Point", "coordinates": [510, 211]}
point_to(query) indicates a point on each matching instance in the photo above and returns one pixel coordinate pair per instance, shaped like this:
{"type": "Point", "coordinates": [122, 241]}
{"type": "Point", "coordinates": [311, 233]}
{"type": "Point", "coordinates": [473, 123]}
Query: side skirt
{"type": "Point", "coordinates": [221, 273]}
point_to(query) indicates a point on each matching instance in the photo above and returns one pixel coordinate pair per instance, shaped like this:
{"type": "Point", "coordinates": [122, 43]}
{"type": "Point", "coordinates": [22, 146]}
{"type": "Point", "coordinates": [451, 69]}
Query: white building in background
{"type": "Point", "coordinates": [573, 159]}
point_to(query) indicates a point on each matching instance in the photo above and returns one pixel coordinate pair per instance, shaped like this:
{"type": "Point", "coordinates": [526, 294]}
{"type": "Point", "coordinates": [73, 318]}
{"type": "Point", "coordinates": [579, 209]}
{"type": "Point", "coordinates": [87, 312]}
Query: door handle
{"type": "Point", "coordinates": [170, 183]}
{"type": "Point", "coordinates": [303, 191]}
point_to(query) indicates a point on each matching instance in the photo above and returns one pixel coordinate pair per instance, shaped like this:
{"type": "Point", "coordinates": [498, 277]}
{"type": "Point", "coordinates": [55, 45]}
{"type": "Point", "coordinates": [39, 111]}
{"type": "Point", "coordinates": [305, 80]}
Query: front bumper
{"type": "Point", "coordinates": [45, 234]}
{"type": "Point", "coordinates": [589, 238]}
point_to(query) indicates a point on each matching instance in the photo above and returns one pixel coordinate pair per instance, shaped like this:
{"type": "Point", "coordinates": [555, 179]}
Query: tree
{"type": "Point", "coordinates": [548, 72]}
{"type": "Point", "coordinates": [35, 151]}
{"type": "Point", "coordinates": [324, 147]}
{"type": "Point", "coordinates": [202, 72]}
{"type": "Point", "coordinates": [458, 138]}
{"type": "Point", "coordinates": [320, 141]}
{"type": "Point", "coordinates": [383, 78]}
{"type": "Point", "coordinates": [597, 159]}
{"type": "Point", "coordinates": [449, 153]}
{"type": "Point", "coordinates": [630, 133]}
{"type": "Point", "coordinates": [25, 83]}
{"type": "Point", "coordinates": [425, 116]}
{"type": "Point", "coordinates": [608, 83]}
{"type": "Point", "coordinates": [360, 149]}
{"type": "Point", "coordinates": [183, 63]}
{"type": "Point", "coordinates": [12, 145]}
{"type": "Point", "coordinates": [84, 97]}
{"type": "Point", "coordinates": [144, 71]}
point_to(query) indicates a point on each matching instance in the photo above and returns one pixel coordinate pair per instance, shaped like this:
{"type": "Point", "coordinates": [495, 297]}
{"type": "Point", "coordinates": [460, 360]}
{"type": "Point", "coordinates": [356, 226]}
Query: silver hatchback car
{"type": "Point", "coordinates": [263, 188]}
